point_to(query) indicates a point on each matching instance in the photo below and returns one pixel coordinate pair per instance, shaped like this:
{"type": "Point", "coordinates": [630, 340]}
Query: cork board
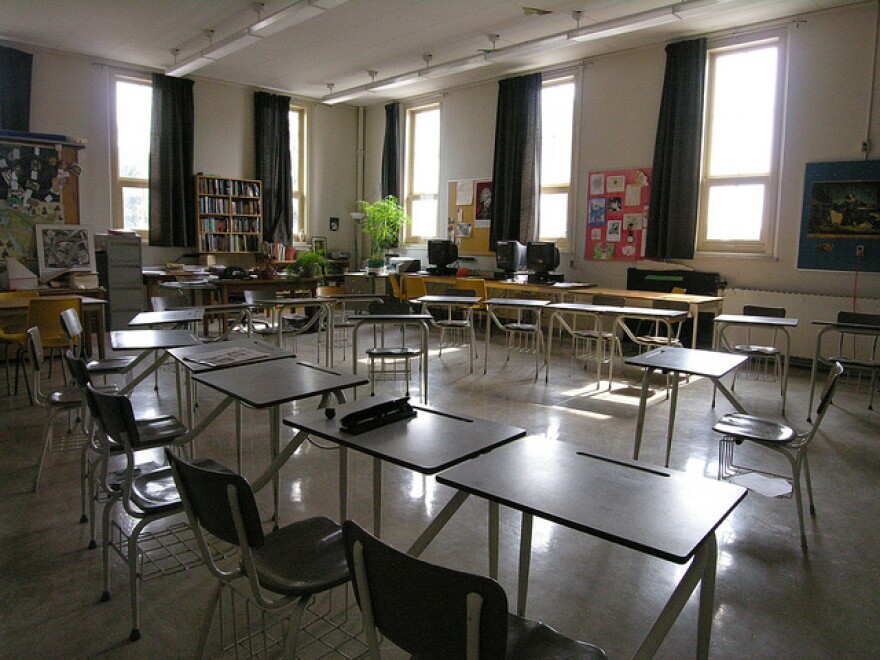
{"type": "Point", "coordinates": [469, 217]}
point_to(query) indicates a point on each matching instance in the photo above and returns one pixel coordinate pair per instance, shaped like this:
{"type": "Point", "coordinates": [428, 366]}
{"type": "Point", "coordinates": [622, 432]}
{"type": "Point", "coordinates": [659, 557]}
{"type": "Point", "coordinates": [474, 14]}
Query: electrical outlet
{"type": "Point", "coordinates": [860, 250]}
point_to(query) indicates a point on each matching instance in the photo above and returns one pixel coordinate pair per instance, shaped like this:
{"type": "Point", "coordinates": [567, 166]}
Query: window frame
{"type": "Point", "coordinates": [765, 245]}
{"type": "Point", "coordinates": [300, 196]}
{"type": "Point", "coordinates": [120, 182]}
{"type": "Point", "coordinates": [557, 79]}
{"type": "Point", "coordinates": [409, 194]}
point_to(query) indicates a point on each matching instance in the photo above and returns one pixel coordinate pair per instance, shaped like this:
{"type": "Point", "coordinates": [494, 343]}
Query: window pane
{"type": "Point", "coordinates": [741, 124]}
{"type": "Point", "coordinates": [133, 110]}
{"type": "Point", "coordinates": [735, 213]}
{"type": "Point", "coordinates": [554, 214]}
{"type": "Point", "coordinates": [557, 111]}
{"type": "Point", "coordinates": [426, 156]}
{"type": "Point", "coordinates": [294, 151]}
{"type": "Point", "coordinates": [135, 206]}
{"type": "Point", "coordinates": [424, 217]}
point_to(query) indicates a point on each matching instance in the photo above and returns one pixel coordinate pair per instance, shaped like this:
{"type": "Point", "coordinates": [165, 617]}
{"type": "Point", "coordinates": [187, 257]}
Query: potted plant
{"type": "Point", "coordinates": [383, 221]}
{"type": "Point", "coordinates": [307, 265]}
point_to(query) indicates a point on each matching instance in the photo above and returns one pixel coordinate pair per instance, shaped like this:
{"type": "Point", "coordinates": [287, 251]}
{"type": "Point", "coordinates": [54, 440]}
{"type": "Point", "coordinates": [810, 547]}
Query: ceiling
{"type": "Point", "coordinates": [341, 44]}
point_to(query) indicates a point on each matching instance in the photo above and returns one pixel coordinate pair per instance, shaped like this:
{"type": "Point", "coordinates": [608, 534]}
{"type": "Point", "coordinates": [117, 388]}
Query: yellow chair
{"type": "Point", "coordinates": [45, 314]}
{"type": "Point", "coordinates": [413, 287]}
{"type": "Point", "coordinates": [478, 286]}
{"type": "Point", "coordinates": [395, 287]}
{"type": "Point", "coordinates": [14, 333]}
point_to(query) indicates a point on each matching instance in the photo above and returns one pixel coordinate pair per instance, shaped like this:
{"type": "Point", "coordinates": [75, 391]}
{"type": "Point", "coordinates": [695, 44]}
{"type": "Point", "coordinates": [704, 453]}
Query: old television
{"type": "Point", "coordinates": [510, 257]}
{"type": "Point", "coordinates": [542, 258]}
{"type": "Point", "coordinates": [442, 253]}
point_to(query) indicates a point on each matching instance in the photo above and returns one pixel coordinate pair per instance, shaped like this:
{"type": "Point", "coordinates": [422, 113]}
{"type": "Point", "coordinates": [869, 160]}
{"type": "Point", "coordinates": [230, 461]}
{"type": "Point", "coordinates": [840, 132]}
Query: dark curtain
{"type": "Point", "coordinates": [676, 185]}
{"type": "Point", "coordinates": [516, 173]}
{"type": "Point", "coordinates": [272, 135]}
{"type": "Point", "coordinates": [391, 152]}
{"type": "Point", "coordinates": [172, 190]}
{"type": "Point", "coordinates": [15, 89]}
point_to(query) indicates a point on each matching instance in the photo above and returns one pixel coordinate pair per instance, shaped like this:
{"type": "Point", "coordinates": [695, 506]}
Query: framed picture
{"type": "Point", "coordinates": [319, 244]}
{"type": "Point", "coordinates": [63, 248]}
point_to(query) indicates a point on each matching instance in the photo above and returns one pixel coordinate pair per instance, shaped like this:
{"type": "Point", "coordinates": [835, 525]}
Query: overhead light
{"type": "Point", "coordinates": [696, 8]}
{"type": "Point", "coordinates": [456, 66]}
{"type": "Point", "coordinates": [345, 95]}
{"type": "Point", "coordinates": [624, 25]}
{"type": "Point", "coordinates": [230, 44]}
{"type": "Point", "coordinates": [524, 48]}
{"type": "Point", "coordinates": [188, 65]}
{"type": "Point", "coordinates": [396, 81]}
{"type": "Point", "coordinates": [281, 20]}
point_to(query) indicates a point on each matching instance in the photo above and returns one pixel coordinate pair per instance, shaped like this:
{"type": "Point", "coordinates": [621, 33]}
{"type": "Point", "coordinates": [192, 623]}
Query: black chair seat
{"type": "Point", "coordinates": [658, 339]}
{"type": "Point", "coordinates": [159, 430]}
{"type": "Point", "coordinates": [116, 365]}
{"type": "Point", "coordinates": [757, 350]}
{"type": "Point", "coordinates": [854, 362]}
{"type": "Point", "coordinates": [754, 428]}
{"type": "Point", "coordinates": [304, 557]}
{"type": "Point", "coordinates": [521, 327]}
{"type": "Point", "coordinates": [154, 492]}
{"type": "Point", "coordinates": [294, 318]}
{"type": "Point", "coordinates": [529, 640]}
{"type": "Point", "coordinates": [65, 397]}
{"type": "Point", "coordinates": [591, 334]}
{"type": "Point", "coordinates": [452, 323]}
{"type": "Point", "coordinates": [394, 351]}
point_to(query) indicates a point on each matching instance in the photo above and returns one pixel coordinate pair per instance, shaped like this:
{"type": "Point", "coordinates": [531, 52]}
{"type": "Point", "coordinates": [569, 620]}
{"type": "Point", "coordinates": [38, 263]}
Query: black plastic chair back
{"type": "Point", "coordinates": [858, 319]}
{"type": "Point", "coordinates": [455, 291]}
{"type": "Point", "coordinates": [35, 348]}
{"type": "Point", "coordinates": [206, 492]}
{"type": "Point", "coordinates": [828, 392]}
{"type": "Point", "coordinates": [757, 310]}
{"type": "Point", "coordinates": [422, 607]}
{"type": "Point", "coordinates": [116, 416]}
{"type": "Point", "coordinates": [72, 327]}
{"type": "Point", "coordinates": [78, 370]}
{"type": "Point", "coordinates": [389, 306]}
{"type": "Point", "coordinates": [259, 295]}
{"type": "Point", "coordinates": [608, 301]}
{"type": "Point", "coordinates": [674, 305]}
{"type": "Point", "coordinates": [164, 303]}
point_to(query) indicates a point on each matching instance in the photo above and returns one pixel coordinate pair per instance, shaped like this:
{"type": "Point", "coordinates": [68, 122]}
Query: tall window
{"type": "Point", "coordinates": [133, 109]}
{"type": "Point", "coordinates": [422, 180]}
{"type": "Point", "coordinates": [557, 124]}
{"type": "Point", "coordinates": [298, 168]}
{"type": "Point", "coordinates": [741, 147]}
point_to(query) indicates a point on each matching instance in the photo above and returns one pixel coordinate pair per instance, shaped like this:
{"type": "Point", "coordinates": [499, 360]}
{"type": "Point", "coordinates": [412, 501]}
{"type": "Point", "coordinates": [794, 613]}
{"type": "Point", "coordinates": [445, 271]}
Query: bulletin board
{"type": "Point", "coordinates": [617, 214]}
{"type": "Point", "coordinates": [470, 215]}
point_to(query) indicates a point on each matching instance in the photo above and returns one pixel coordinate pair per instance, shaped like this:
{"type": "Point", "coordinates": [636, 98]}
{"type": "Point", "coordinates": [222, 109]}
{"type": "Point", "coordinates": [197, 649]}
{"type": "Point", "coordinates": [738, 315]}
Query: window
{"type": "Point", "coordinates": [740, 148]}
{"type": "Point", "coordinates": [557, 124]}
{"type": "Point", "coordinates": [132, 115]}
{"type": "Point", "coordinates": [422, 179]}
{"type": "Point", "coordinates": [297, 120]}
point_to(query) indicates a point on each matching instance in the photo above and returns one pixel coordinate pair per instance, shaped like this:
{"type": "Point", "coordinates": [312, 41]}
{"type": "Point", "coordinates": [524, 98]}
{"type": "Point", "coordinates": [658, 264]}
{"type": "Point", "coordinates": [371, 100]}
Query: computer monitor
{"type": "Point", "coordinates": [541, 259]}
{"type": "Point", "coordinates": [510, 256]}
{"type": "Point", "coordinates": [441, 253]}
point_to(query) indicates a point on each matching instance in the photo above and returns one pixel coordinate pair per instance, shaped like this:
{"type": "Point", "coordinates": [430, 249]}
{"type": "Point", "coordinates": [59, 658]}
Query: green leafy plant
{"type": "Point", "coordinates": [306, 265]}
{"type": "Point", "coordinates": [383, 221]}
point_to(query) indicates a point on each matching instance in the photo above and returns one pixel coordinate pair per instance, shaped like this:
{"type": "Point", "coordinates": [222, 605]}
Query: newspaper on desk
{"type": "Point", "coordinates": [230, 355]}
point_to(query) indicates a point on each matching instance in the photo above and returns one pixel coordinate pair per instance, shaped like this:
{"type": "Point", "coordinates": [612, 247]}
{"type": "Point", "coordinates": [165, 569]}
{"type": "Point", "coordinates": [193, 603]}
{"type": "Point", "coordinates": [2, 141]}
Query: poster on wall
{"type": "Point", "coordinates": [840, 222]}
{"type": "Point", "coordinates": [617, 214]}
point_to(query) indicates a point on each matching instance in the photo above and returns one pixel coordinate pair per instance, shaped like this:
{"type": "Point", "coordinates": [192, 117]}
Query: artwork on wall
{"type": "Point", "coordinates": [63, 248]}
{"type": "Point", "coordinates": [840, 222]}
{"type": "Point", "coordinates": [483, 204]}
{"type": "Point", "coordinates": [319, 244]}
{"type": "Point", "coordinates": [617, 214]}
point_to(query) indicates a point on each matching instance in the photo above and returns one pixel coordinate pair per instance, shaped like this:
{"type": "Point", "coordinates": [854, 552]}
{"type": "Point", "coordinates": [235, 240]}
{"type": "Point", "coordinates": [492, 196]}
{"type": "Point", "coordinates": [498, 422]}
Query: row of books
{"type": "Point", "coordinates": [229, 243]}
{"type": "Point", "coordinates": [228, 187]}
{"type": "Point", "coordinates": [235, 224]}
{"type": "Point", "coordinates": [221, 205]}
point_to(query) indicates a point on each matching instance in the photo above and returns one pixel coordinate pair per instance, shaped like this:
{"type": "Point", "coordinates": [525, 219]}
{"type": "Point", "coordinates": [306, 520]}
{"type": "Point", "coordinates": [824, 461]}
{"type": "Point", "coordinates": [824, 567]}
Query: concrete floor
{"type": "Point", "coordinates": [772, 599]}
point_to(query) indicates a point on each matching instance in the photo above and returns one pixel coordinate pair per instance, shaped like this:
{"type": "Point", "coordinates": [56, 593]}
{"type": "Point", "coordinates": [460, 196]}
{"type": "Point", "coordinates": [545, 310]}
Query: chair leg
{"type": "Point", "coordinates": [806, 468]}
{"type": "Point", "coordinates": [208, 619]}
{"type": "Point", "coordinates": [796, 485]}
{"type": "Point", "coordinates": [293, 627]}
{"type": "Point", "coordinates": [108, 507]}
{"type": "Point", "coordinates": [83, 477]}
{"type": "Point", "coordinates": [134, 583]}
{"type": "Point", "coordinates": [47, 434]}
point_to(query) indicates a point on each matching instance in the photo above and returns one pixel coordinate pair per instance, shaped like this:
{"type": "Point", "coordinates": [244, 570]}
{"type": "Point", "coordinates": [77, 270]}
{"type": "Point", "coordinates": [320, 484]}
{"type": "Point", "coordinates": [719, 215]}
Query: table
{"type": "Point", "coordinates": [666, 316]}
{"type": "Point", "coordinates": [93, 309]}
{"type": "Point", "coordinates": [465, 303]}
{"type": "Point", "coordinates": [688, 361]}
{"type": "Point", "coordinates": [432, 441]}
{"type": "Point", "coordinates": [418, 320]}
{"type": "Point", "coordinates": [513, 285]}
{"type": "Point", "coordinates": [725, 321]}
{"type": "Point", "coordinates": [179, 317]}
{"type": "Point", "coordinates": [659, 512]}
{"type": "Point", "coordinates": [520, 305]}
{"type": "Point", "coordinates": [269, 385]}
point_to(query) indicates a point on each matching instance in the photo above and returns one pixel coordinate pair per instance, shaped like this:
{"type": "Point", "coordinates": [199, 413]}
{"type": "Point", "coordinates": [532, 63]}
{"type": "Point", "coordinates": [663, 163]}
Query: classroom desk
{"type": "Point", "coordinates": [449, 303]}
{"type": "Point", "coordinates": [418, 320]}
{"type": "Point", "coordinates": [93, 309]}
{"type": "Point", "coordinates": [659, 512]}
{"type": "Point", "coordinates": [270, 384]}
{"type": "Point", "coordinates": [766, 322]}
{"type": "Point", "coordinates": [178, 317]}
{"type": "Point", "coordinates": [696, 304]}
{"type": "Point", "coordinates": [689, 361]}
{"type": "Point", "coordinates": [597, 312]}
{"type": "Point", "coordinates": [512, 286]}
{"type": "Point", "coordinates": [520, 305]}
{"type": "Point", "coordinates": [432, 441]}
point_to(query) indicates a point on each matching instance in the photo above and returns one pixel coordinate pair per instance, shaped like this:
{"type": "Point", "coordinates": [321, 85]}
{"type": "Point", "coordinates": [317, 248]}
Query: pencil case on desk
{"type": "Point", "coordinates": [376, 416]}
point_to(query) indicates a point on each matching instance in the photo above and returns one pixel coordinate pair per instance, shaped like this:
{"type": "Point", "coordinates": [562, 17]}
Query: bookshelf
{"type": "Point", "coordinates": [230, 214]}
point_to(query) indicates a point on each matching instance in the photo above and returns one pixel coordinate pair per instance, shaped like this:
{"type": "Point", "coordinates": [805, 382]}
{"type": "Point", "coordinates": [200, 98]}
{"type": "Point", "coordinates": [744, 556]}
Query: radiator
{"type": "Point", "coordinates": [808, 308]}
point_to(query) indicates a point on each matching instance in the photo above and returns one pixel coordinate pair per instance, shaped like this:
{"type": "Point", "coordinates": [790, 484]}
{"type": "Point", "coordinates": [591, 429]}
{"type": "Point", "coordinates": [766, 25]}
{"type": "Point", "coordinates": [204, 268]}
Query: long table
{"type": "Point", "coordinates": [656, 511]}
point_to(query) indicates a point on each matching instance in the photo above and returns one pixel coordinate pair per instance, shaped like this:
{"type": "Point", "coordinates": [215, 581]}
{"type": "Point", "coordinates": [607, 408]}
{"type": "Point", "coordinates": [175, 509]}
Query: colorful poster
{"type": "Point", "coordinates": [617, 214]}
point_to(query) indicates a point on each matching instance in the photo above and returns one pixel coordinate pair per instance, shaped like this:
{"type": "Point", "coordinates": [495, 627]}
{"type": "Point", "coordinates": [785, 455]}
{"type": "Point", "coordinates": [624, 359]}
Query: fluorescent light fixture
{"type": "Point", "coordinates": [625, 24]}
{"type": "Point", "coordinates": [232, 43]}
{"type": "Point", "coordinates": [188, 65]}
{"type": "Point", "coordinates": [696, 8]}
{"type": "Point", "coordinates": [281, 20]}
{"type": "Point", "coordinates": [395, 81]}
{"type": "Point", "coordinates": [345, 95]}
{"type": "Point", "coordinates": [456, 66]}
{"type": "Point", "coordinates": [526, 47]}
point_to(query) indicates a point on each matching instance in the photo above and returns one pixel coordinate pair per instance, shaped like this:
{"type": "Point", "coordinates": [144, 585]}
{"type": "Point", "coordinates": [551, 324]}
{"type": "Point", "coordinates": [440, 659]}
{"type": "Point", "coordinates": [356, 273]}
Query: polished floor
{"type": "Point", "coordinates": [773, 600]}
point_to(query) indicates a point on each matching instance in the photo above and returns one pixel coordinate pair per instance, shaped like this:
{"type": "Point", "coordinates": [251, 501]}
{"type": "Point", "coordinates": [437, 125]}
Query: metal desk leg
{"type": "Point", "coordinates": [640, 422]}
{"type": "Point", "coordinates": [549, 348]}
{"type": "Point", "coordinates": [238, 427]}
{"type": "Point", "coordinates": [785, 367]}
{"type": "Point", "coordinates": [275, 434]}
{"type": "Point", "coordinates": [377, 497]}
{"type": "Point", "coordinates": [494, 525]}
{"type": "Point", "coordinates": [489, 321]}
{"type": "Point", "coordinates": [423, 361]}
{"type": "Point", "coordinates": [673, 404]}
{"type": "Point", "coordinates": [439, 522]}
{"type": "Point", "coordinates": [729, 396]}
{"type": "Point", "coordinates": [343, 483]}
{"type": "Point", "coordinates": [525, 558]}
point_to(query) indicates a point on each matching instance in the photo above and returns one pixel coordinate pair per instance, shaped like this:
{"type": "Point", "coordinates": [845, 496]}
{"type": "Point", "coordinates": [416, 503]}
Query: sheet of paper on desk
{"type": "Point", "coordinates": [228, 356]}
{"type": "Point", "coordinates": [763, 485]}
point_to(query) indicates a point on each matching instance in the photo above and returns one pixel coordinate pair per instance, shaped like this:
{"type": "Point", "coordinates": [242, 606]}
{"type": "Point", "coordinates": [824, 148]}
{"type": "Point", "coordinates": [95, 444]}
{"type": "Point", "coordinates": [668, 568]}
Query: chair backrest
{"type": "Point", "coordinates": [115, 416]}
{"type": "Point", "coordinates": [26, 293]}
{"type": "Point", "coordinates": [259, 295]}
{"type": "Point", "coordinates": [462, 293]}
{"type": "Point", "coordinates": [164, 303]}
{"type": "Point", "coordinates": [858, 318]}
{"type": "Point", "coordinates": [758, 310]}
{"type": "Point", "coordinates": [205, 495]}
{"type": "Point", "coordinates": [73, 329]}
{"type": "Point", "coordinates": [79, 372]}
{"type": "Point", "coordinates": [414, 286]}
{"type": "Point", "coordinates": [475, 284]}
{"type": "Point", "coordinates": [827, 395]}
{"type": "Point", "coordinates": [676, 305]}
{"type": "Point", "coordinates": [389, 306]}
{"type": "Point", "coordinates": [423, 608]}
{"type": "Point", "coordinates": [608, 301]}
{"type": "Point", "coordinates": [35, 349]}
{"type": "Point", "coordinates": [45, 313]}
{"type": "Point", "coordinates": [394, 280]}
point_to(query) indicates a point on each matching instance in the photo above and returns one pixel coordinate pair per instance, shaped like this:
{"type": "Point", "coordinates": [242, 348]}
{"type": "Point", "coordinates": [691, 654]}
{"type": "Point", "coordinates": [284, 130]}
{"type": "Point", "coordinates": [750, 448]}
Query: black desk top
{"type": "Point", "coordinates": [431, 441]}
{"type": "Point", "coordinates": [661, 512]}
{"type": "Point", "coordinates": [188, 356]}
{"type": "Point", "coordinates": [266, 384]}
{"type": "Point", "coordinates": [184, 315]}
{"type": "Point", "coordinates": [711, 364]}
{"type": "Point", "coordinates": [142, 340]}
